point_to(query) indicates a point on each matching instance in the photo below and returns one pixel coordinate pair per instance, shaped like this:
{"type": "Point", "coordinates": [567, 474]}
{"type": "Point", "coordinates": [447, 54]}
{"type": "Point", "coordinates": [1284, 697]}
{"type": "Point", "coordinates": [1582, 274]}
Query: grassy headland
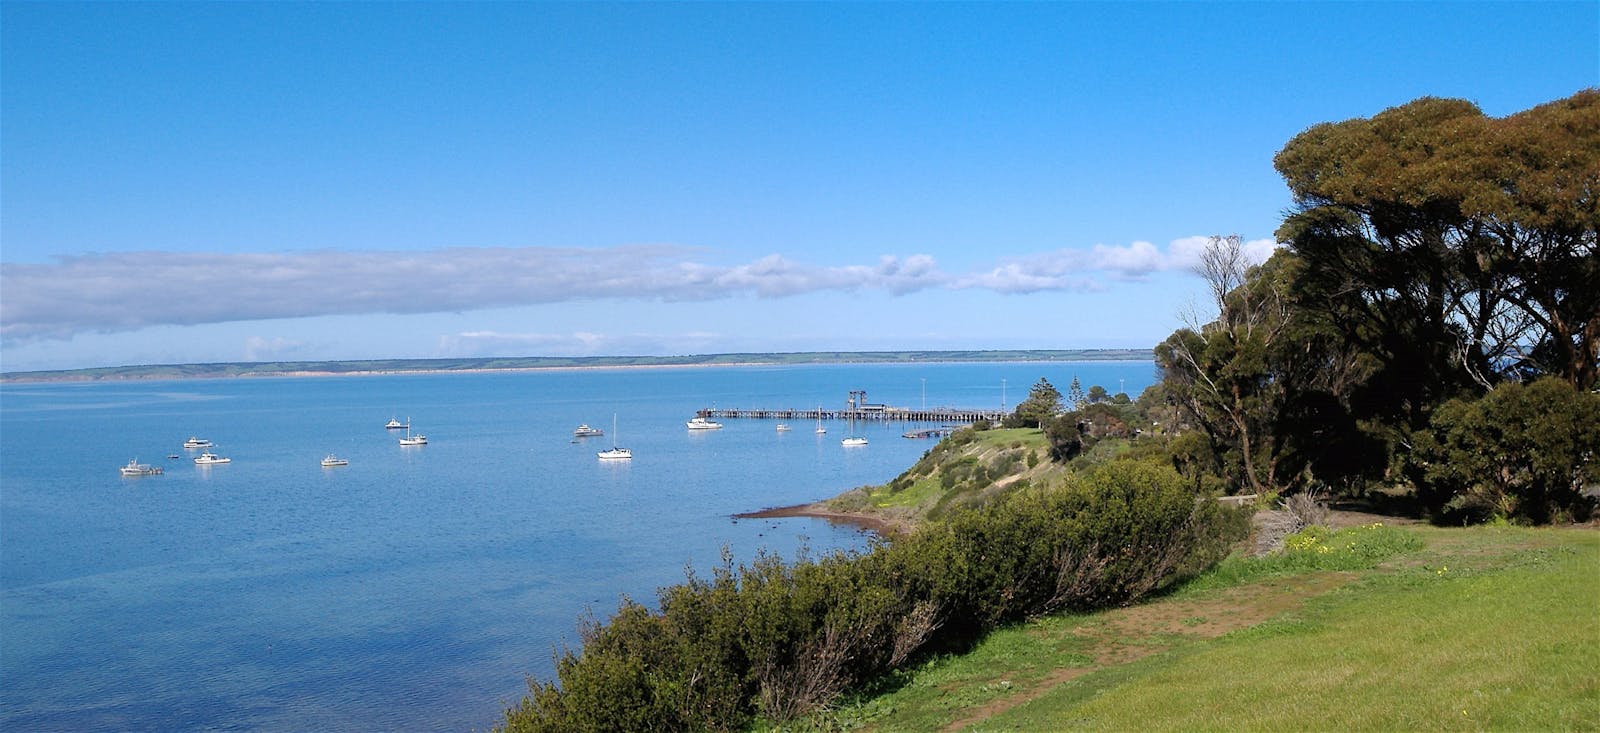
{"type": "Point", "coordinates": [1367, 628]}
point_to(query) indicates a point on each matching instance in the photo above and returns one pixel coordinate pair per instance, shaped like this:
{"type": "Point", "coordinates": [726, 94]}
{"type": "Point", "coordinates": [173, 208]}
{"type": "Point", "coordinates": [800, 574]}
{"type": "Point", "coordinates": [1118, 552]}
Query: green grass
{"type": "Point", "coordinates": [925, 489]}
{"type": "Point", "coordinates": [1373, 628]}
{"type": "Point", "coordinates": [1510, 646]}
{"type": "Point", "coordinates": [921, 491]}
{"type": "Point", "coordinates": [1007, 437]}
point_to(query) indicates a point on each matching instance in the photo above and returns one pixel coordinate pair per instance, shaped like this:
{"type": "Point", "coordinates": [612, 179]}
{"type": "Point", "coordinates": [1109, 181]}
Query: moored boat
{"type": "Point", "coordinates": [700, 423]}
{"type": "Point", "coordinates": [208, 458]}
{"type": "Point", "coordinates": [135, 468]}
{"type": "Point", "coordinates": [413, 439]}
{"type": "Point", "coordinates": [395, 424]}
{"type": "Point", "coordinates": [194, 443]}
{"type": "Point", "coordinates": [584, 431]}
{"type": "Point", "coordinates": [616, 453]}
{"type": "Point", "coordinates": [333, 460]}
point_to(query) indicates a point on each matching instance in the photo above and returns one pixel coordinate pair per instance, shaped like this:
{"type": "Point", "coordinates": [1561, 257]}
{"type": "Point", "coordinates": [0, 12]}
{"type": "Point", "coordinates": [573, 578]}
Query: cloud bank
{"type": "Point", "coordinates": [133, 290]}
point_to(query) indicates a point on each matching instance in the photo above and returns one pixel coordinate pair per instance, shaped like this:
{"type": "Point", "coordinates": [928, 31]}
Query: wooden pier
{"type": "Point", "coordinates": [868, 413]}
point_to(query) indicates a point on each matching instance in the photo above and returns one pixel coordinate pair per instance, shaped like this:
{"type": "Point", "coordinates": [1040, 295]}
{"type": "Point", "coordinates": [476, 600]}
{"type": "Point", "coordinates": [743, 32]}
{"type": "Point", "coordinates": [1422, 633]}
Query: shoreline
{"type": "Point", "coordinates": [874, 523]}
{"type": "Point", "coordinates": [248, 370]}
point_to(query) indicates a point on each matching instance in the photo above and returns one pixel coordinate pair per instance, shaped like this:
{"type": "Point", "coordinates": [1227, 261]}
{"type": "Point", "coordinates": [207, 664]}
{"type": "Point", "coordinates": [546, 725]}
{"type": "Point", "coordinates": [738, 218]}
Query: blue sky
{"type": "Point", "coordinates": [237, 181]}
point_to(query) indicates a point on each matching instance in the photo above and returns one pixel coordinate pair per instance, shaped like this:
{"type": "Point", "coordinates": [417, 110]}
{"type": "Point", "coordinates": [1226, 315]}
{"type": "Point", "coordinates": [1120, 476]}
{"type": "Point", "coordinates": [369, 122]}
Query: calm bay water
{"type": "Point", "coordinates": [415, 588]}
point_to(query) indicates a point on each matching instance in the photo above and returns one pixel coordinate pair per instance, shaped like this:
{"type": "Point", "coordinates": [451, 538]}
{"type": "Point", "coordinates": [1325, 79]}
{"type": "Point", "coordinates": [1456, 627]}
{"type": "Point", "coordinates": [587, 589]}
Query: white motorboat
{"type": "Point", "coordinates": [395, 424]}
{"type": "Point", "coordinates": [333, 460]}
{"type": "Point", "coordinates": [783, 427]}
{"type": "Point", "coordinates": [135, 468]}
{"type": "Point", "coordinates": [616, 453]}
{"type": "Point", "coordinates": [852, 442]}
{"type": "Point", "coordinates": [194, 443]}
{"type": "Point", "coordinates": [700, 423]}
{"type": "Point", "coordinates": [584, 431]}
{"type": "Point", "coordinates": [208, 459]}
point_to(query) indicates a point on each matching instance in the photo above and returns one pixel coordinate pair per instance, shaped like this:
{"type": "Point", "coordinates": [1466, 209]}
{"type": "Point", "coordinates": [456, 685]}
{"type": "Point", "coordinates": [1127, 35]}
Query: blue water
{"type": "Point", "coordinates": [416, 588]}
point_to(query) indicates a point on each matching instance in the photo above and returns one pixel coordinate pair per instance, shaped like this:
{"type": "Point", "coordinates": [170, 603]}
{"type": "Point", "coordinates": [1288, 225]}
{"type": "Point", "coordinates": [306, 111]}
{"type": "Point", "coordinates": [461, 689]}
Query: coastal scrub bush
{"type": "Point", "coordinates": [1521, 452]}
{"type": "Point", "coordinates": [778, 639]}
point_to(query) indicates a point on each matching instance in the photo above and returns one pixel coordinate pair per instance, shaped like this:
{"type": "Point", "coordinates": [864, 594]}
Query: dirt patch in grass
{"type": "Point", "coordinates": [1123, 635]}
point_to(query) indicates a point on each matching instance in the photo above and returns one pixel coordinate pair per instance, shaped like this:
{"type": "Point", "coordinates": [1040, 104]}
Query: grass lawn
{"type": "Point", "coordinates": [1365, 629]}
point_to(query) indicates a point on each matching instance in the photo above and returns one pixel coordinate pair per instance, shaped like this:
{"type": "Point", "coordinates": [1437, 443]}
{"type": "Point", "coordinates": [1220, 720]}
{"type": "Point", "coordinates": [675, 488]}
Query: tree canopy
{"type": "Point", "coordinates": [1043, 403]}
{"type": "Point", "coordinates": [1440, 239]}
{"type": "Point", "coordinates": [1433, 255]}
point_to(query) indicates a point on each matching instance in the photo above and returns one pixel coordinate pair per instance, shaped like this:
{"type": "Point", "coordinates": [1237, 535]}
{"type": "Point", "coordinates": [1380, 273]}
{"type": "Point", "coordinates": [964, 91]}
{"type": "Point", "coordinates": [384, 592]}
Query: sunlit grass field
{"type": "Point", "coordinates": [1369, 628]}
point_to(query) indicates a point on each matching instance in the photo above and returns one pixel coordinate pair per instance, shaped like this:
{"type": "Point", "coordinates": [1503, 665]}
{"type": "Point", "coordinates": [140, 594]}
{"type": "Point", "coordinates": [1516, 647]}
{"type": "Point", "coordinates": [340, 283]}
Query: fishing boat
{"type": "Point", "coordinates": [413, 439]}
{"type": "Point", "coordinates": [700, 423]}
{"type": "Point", "coordinates": [135, 468]}
{"type": "Point", "coordinates": [584, 431]}
{"type": "Point", "coordinates": [333, 460]}
{"type": "Point", "coordinates": [209, 459]}
{"type": "Point", "coordinates": [395, 424]}
{"type": "Point", "coordinates": [194, 443]}
{"type": "Point", "coordinates": [616, 453]}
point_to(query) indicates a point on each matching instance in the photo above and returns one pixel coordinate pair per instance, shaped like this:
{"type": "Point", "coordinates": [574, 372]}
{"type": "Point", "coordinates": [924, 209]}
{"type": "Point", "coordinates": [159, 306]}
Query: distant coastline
{"type": "Point", "coordinates": [224, 370]}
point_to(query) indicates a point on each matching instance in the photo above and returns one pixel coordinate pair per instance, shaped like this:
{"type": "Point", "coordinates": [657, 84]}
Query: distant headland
{"type": "Point", "coordinates": [524, 363]}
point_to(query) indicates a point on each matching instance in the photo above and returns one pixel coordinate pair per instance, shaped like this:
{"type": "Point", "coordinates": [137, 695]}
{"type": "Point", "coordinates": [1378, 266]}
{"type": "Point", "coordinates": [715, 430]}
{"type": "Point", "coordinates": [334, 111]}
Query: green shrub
{"type": "Point", "coordinates": [1520, 452]}
{"type": "Point", "coordinates": [779, 639]}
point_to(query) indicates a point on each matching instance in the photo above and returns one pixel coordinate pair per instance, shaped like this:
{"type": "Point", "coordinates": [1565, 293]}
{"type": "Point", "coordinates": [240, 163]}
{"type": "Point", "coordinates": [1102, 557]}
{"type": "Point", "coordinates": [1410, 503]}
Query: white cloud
{"type": "Point", "coordinates": [257, 348]}
{"type": "Point", "coordinates": [581, 343]}
{"type": "Point", "coordinates": [133, 290]}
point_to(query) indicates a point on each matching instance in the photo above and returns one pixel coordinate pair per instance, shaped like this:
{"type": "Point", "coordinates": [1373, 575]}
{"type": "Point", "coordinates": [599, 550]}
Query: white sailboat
{"type": "Point", "coordinates": [854, 440]}
{"type": "Point", "coordinates": [820, 429]}
{"type": "Point", "coordinates": [413, 439]}
{"type": "Point", "coordinates": [616, 453]}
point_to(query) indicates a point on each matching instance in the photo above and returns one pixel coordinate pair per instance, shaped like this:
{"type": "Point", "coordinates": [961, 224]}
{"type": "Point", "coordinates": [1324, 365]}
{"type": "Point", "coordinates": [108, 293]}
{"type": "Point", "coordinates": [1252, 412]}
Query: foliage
{"type": "Point", "coordinates": [779, 639]}
{"type": "Point", "coordinates": [1456, 249]}
{"type": "Point", "coordinates": [1433, 253]}
{"type": "Point", "coordinates": [1266, 384]}
{"type": "Point", "coordinates": [1043, 403]}
{"type": "Point", "coordinates": [1064, 437]}
{"type": "Point", "coordinates": [1521, 452]}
